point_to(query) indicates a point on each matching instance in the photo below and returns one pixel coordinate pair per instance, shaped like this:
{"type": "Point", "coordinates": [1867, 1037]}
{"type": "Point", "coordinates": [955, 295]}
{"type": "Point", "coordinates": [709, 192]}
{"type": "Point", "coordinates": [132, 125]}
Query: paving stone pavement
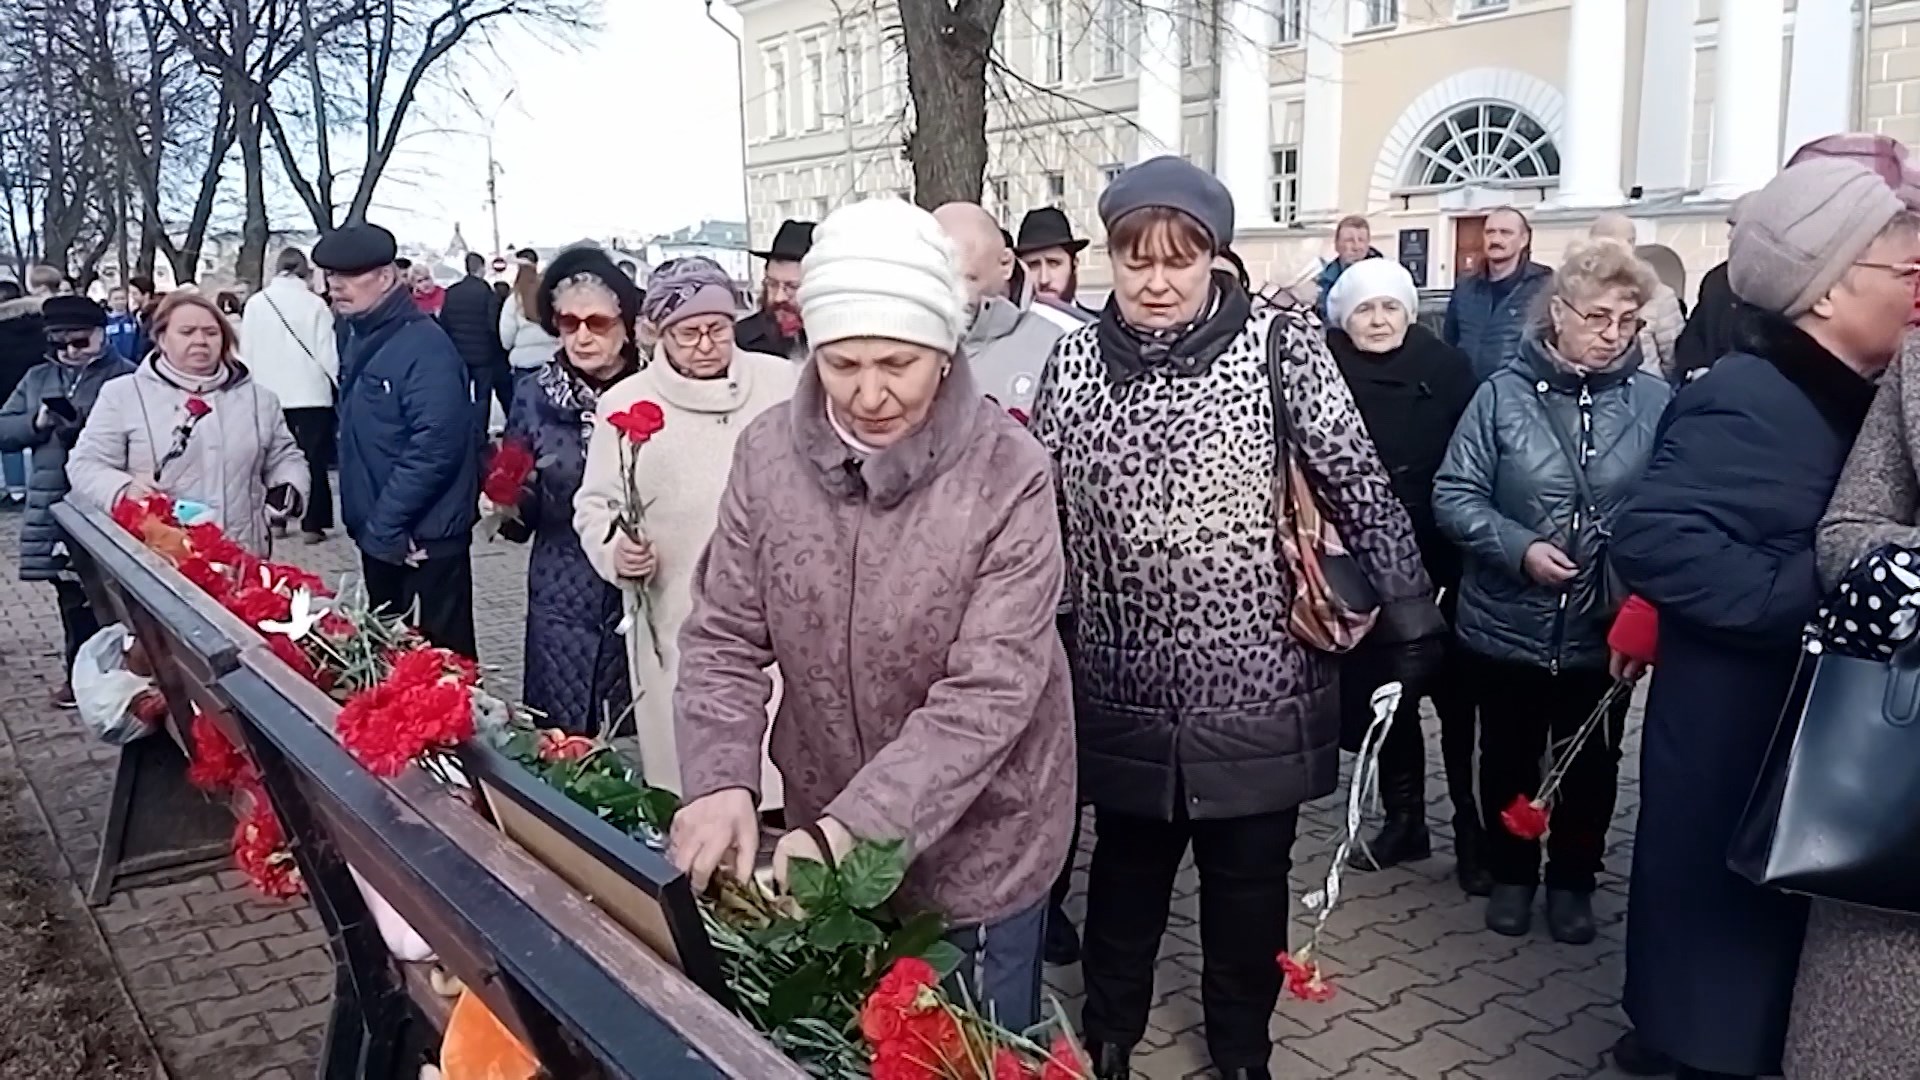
{"type": "Point", "coordinates": [232, 985]}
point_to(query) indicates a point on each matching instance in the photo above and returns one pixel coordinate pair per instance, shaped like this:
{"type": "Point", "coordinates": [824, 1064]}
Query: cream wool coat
{"type": "Point", "coordinates": [682, 472]}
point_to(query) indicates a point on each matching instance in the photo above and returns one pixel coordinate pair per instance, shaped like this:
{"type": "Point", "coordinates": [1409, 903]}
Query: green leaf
{"type": "Point", "coordinates": [795, 995]}
{"type": "Point", "coordinates": [944, 957]}
{"type": "Point", "coordinates": [916, 936]}
{"type": "Point", "coordinates": [813, 886]}
{"type": "Point", "coordinates": [657, 807]}
{"type": "Point", "coordinates": [841, 929]}
{"type": "Point", "coordinates": [871, 872]}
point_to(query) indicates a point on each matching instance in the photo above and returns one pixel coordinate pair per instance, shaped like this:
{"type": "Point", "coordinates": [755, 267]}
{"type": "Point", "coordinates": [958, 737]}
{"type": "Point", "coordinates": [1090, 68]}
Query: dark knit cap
{"type": "Point", "coordinates": [355, 249]}
{"type": "Point", "coordinates": [1177, 184]}
{"type": "Point", "coordinates": [72, 313]}
{"type": "Point", "coordinates": [592, 261]}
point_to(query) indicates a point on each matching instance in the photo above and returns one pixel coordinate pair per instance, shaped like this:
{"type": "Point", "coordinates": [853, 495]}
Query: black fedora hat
{"type": "Point", "coordinates": [791, 241]}
{"type": "Point", "coordinates": [1046, 228]}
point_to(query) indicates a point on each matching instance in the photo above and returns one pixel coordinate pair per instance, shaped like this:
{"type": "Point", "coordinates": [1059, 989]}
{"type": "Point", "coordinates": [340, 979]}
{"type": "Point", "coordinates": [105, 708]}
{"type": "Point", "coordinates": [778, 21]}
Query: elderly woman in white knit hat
{"type": "Point", "coordinates": [1411, 388]}
{"type": "Point", "coordinates": [889, 538]}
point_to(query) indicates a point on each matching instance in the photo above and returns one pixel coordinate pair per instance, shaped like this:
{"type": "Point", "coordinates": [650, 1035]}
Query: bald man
{"type": "Point", "coordinates": [1006, 345]}
{"type": "Point", "coordinates": [1661, 319]}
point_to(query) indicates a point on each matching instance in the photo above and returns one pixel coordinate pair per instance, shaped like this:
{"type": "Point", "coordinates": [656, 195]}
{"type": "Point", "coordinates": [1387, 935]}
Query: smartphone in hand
{"type": "Point", "coordinates": [61, 407]}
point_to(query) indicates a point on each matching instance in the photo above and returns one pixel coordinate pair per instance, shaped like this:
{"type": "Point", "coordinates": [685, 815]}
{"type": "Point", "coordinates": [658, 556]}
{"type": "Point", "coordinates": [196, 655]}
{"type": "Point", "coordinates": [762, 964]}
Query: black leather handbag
{"type": "Point", "coordinates": [1836, 811]}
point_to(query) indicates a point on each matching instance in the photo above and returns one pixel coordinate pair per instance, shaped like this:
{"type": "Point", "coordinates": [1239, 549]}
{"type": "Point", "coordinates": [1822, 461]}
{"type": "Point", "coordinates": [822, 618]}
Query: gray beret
{"type": "Point", "coordinates": [1175, 183]}
{"type": "Point", "coordinates": [1796, 237]}
{"type": "Point", "coordinates": [355, 249]}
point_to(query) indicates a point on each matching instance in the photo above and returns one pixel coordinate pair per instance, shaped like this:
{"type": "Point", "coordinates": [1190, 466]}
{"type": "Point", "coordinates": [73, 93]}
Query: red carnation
{"type": "Point", "coordinates": [257, 604]}
{"type": "Point", "coordinates": [213, 545]}
{"type": "Point", "coordinates": [1526, 818]}
{"type": "Point", "coordinates": [1064, 1061]}
{"type": "Point", "coordinates": [260, 850]}
{"type": "Point", "coordinates": [1008, 1065]}
{"type": "Point", "coordinates": [507, 473]}
{"type": "Point", "coordinates": [640, 422]}
{"type": "Point", "coordinates": [295, 657]}
{"type": "Point", "coordinates": [204, 575]}
{"type": "Point", "coordinates": [556, 745]}
{"type": "Point", "coordinates": [216, 763]}
{"type": "Point", "coordinates": [290, 578]}
{"type": "Point", "coordinates": [1304, 979]}
{"type": "Point", "coordinates": [197, 407]}
{"type": "Point", "coordinates": [390, 724]}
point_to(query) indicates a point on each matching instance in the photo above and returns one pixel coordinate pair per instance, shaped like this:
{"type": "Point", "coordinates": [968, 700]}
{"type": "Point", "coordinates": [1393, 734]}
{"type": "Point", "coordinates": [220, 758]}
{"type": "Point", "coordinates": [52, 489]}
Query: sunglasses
{"type": "Point", "coordinates": [595, 324]}
{"type": "Point", "coordinates": [62, 342]}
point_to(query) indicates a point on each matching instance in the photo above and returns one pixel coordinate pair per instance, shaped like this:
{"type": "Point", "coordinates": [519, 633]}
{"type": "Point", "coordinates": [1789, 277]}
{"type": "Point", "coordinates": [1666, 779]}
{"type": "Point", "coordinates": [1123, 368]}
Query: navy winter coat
{"type": "Point", "coordinates": [1508, 482]}
{"type": "Point", "coordinates": [1489, 325]}
{"type": "Point", "coordinates": [1719, 536]}
{"type": "Point", "coordinates": [470, 314]}
{"type": "Point", "coordinates": [47, 483]}
{"type": "Point", "coordinates": [409, 453]}
{"type": "Point", "coordinates": [576, 658]}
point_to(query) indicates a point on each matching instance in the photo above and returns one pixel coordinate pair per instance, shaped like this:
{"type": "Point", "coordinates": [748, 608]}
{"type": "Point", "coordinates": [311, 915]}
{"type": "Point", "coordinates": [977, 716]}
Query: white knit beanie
{"type": "Point", "coordinates": [1367, 280]}
{"type": "Point", "coordinates": [883, 268]}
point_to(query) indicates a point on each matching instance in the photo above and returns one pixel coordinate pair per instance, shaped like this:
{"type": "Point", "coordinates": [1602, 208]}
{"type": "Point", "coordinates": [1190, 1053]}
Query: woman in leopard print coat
{"type": "Point", "coordinates": [1200, 719]}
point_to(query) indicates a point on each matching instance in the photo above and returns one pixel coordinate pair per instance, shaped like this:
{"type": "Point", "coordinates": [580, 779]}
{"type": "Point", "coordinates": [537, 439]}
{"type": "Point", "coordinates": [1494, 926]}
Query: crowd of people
{"type": "Point", "coordinates": [925, 549]}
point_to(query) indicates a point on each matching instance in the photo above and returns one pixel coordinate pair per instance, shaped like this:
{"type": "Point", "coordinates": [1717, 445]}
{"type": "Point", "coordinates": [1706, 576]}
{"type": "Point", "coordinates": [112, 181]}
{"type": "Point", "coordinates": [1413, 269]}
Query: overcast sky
{"type": "Point", "coordinates": [635, 133]}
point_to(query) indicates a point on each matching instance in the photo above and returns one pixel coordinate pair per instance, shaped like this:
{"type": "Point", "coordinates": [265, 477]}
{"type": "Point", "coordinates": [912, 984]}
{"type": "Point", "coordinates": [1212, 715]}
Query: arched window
{"type": "Point", "coordinates": [1487, 142]}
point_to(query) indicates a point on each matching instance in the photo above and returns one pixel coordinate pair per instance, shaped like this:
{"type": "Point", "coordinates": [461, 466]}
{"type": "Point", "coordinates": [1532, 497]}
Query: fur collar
{"type": "Point", "coordinates": [1841, 394]}
{"type": "Point", "coordinates": [888, 477]}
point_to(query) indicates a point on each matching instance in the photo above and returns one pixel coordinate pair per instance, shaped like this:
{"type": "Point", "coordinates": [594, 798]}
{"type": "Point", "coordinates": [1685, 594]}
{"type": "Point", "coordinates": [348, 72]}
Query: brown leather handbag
{"type": "Point", "coordinates": [1334, 605]}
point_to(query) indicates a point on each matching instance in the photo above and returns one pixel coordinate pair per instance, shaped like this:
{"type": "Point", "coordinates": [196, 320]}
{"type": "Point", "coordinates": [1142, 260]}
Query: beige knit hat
{"type": "Point", "coordinates": [883, 268]}
{"type": "Point", "coordinates": [1798, 236]}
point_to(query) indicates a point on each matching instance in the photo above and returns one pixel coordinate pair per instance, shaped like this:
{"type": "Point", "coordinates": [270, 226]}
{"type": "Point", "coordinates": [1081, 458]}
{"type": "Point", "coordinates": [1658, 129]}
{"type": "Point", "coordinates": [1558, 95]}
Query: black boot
{"type": "Point", "coordinates": [1062, 943]}
{"type": "Point", "coordinates": [1246, 1072]}
{"type": "Point", "coordinates": [1402, 838]}
{"type": "Point", "coordinates": [1110, 1062]}
{"type": "Point", "coordinates": [1403, 792]}
{"type": "Point", "coordinates": [1469, 853]}
{"type": "Point", "coordinates": [1635, 1058]}
{"type": "Point", "coordinates": [1570, 916]}
{"type": "Point", "coordinates": [1510, 910]}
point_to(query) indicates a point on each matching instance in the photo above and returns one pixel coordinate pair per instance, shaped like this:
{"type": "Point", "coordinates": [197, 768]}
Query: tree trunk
{"type": "Point", "coordinates": [947, 51]}
{"type": "Point", "coordinates": [253, 229]}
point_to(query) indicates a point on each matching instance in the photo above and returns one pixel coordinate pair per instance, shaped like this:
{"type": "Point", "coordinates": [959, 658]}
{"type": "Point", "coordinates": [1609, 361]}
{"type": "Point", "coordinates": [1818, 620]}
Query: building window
{"type": "Point", "coordinates": [1286, 184]}
{"type": "Point", "coordinates": [813, 102]}
{"type": "Point", "coordinates": [1290, 21]}
{"type": "Point", "coordinates": [1002, 199]}
{"type": "Point", "coordinates": [893, 72]}
{"type": "Point", "coordinates": [1476, 7]}
{"type": "Point", "coordinates": [1488, 143]}
{"type": "Point", "coordinates": [820, 208]}
{"type": "Point", "coordinates": [1053, 42]}
{"type": "Point", "coordinates": [1380, 14]}
{"type": "Point", "coordinates": [1114, 52]}
{"type": "Point", "coordinates": [1110, 173]}
{"type": "Point", "coordinates": [1196, 31]}
{"type": "Point", "coordinates": [776, 66]}
{"type": "Point", "coordinates": [857, 81]}
{"type": "Point", "coordinates": [1056, 189]}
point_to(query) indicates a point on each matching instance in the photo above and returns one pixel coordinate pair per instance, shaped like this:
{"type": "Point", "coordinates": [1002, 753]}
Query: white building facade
{"type": "Point", "coordinates": [1419, 114]}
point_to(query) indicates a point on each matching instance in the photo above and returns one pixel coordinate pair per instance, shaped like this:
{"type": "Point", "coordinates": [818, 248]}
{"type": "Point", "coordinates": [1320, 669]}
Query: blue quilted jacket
{"type": "Point", "coordinates": [1488, 327]}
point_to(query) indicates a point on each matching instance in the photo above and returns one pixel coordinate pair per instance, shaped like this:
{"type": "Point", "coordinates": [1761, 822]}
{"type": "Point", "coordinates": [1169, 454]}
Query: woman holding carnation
{"type": "Point", "coordinates": [706, 390]}
{"type": "Point", "coordinates": [193, 424]}
{"type": "Point", "coordinates": [576, 669]}
{"type": "Point", "coordinates": [889, 538]}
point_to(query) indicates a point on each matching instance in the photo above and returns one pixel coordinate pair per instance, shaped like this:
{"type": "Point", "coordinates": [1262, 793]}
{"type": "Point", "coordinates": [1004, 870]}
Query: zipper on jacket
{"type": "Point", "coordinates": [853, 605]}
{"type": "Point", "coordinates": [1583, 449]}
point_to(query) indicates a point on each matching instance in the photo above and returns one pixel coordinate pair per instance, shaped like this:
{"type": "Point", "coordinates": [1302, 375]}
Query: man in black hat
{"type": "Point", "coordinates": [776, 328]}
{"type": "Point", "coordinates": [1050, 252]}
{"type": "Point", "coordinates": [409, 444]}
{"type": "Point", "coordinates": [43, 415]}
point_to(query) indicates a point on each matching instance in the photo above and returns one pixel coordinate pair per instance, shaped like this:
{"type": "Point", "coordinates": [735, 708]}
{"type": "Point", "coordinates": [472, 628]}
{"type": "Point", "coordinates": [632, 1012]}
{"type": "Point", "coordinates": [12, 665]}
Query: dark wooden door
{"type": "Point", "coordinates": [1469, 245]}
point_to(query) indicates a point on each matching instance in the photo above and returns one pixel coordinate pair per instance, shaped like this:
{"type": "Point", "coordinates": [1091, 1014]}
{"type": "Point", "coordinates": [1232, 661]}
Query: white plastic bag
{"type": "Point", "coordinates": [403, 941]}
{"type": "Point", "coordinates": [105, 689]}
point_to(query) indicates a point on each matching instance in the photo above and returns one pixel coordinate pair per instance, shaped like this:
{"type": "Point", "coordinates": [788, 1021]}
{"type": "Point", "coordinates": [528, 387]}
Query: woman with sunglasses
{"type": "Point", "coordinates": [1540, 464]}
{"type": "Point", "coordinates": [707, 390]}
{"type": "Point", "coordinates": [576, 666]}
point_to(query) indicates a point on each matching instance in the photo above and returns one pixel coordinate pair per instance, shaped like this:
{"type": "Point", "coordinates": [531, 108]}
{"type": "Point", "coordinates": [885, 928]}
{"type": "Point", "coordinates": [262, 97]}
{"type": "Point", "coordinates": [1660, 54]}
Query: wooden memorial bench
{"type": "Point", "coordinates": [619, 982]}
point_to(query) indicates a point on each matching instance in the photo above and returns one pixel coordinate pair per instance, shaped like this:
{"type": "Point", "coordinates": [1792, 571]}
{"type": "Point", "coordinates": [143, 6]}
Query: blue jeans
{"type": "Point", "coordinates": [1003, 966]}
{"type": "Point", "coordinates": [14, 465]}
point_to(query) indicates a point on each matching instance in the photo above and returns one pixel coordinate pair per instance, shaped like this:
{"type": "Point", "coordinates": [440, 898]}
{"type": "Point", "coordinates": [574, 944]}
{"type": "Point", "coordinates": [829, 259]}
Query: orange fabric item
{"type": "Point", "coordinates": [478, 1046]}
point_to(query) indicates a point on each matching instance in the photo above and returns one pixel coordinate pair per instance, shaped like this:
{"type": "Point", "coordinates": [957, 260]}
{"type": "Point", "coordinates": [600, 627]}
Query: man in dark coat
{"type": "Point", "coordinates": [776, 328]}
{"type": "Point", "coordinates": [44, 414]}
{"type": "Point", "coordinates": [1489, 312]}
{"type": "Point", "coordinates": [470, 314]}
{"type": "Point", "coordinates": [409, 450]}
{"type": "Point", "coordinates": [1719, 537]}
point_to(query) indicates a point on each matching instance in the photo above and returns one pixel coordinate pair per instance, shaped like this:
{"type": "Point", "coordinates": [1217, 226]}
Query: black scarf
{"type": "Point", "coordinates": [1841, 394]}
{"type": "Point", "coordinates": [1129, 352]}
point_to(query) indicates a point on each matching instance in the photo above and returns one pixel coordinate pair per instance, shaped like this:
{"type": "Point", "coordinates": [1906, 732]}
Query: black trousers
{"type": "Point", "coordinates": [442, 587]}
{"type": "Point", "coordinates": [1063, 884]}
{"type": "Point", "coordinates": [1403, 756]}
{"type": "Point", "coordinates": [313, 432]}
{"type": "Point", "coordinates": [77, 621]}
{"type": "Point", "coordinates": [1243, 864]}
{"type": "Point", "coordinates": [1523, 711]}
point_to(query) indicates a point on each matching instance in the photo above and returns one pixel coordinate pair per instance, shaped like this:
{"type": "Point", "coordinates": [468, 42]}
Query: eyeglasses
{"type": "Point", "coordinates": [1904, 271]}
{"type": "Point", "coordinates": [779, 288]}
{"type": "Point", "coordinates": [1601, 321]}
{"type": "Point", "coordinates": [598, 325]}
{"type": "Point", "coordinates": [688, 337]}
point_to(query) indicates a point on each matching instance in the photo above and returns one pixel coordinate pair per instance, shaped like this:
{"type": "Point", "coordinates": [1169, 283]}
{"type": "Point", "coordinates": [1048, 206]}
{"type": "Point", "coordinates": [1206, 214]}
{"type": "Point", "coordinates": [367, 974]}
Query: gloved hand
{"type": "Point", "coordinates": [1415, 663]}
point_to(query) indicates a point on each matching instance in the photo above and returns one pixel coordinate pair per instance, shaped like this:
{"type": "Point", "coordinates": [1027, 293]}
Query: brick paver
{"type": "Point", "coordinates": [235, 986]}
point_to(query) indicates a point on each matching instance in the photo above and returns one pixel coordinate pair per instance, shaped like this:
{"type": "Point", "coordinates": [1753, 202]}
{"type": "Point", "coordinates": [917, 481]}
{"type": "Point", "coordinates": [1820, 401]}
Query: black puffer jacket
{"type": "Point", "coordinates": [1412, 398]}
{"type": "Point", "coordinates": [23, 341]}
{"type": "Point", "coordinates": [1508, 483]}
{"type": "Point", "coordinates": [47, 483]}
{"type": "Point", "coordinates": [470, 315]}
